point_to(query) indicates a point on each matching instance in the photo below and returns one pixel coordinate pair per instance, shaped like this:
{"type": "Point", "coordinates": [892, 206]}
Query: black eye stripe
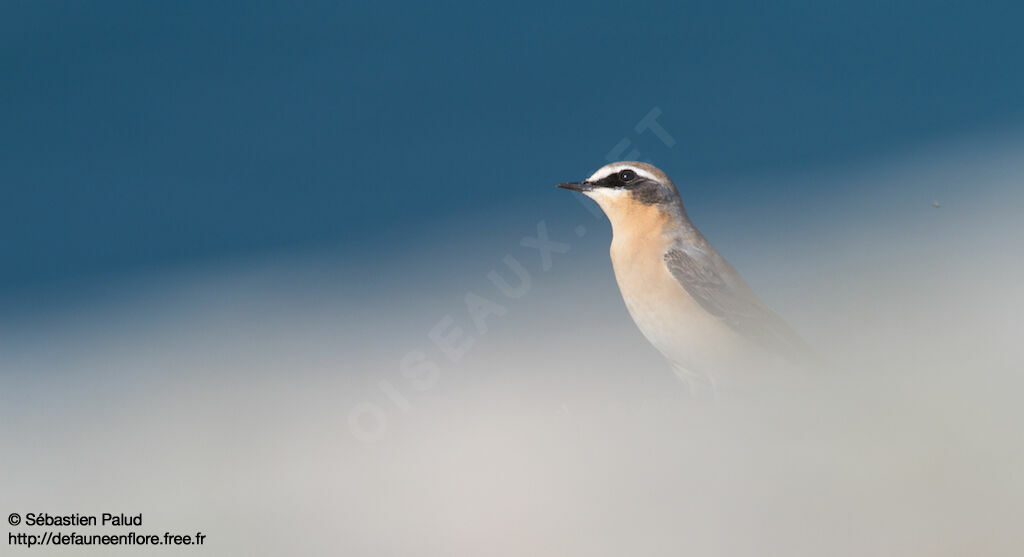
{"type": "Point", "coordinates": [622, 178]}
{"type": "Point", "coordinates": [625, 178]}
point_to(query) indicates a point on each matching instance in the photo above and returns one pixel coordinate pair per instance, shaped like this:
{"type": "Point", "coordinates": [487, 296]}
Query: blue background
{"type": "Point", "coordinates": [148, 136]}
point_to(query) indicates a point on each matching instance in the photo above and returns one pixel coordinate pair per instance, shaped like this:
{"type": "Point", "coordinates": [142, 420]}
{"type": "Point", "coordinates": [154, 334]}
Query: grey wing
{"type": "Point", "coordinates": [719, 289]}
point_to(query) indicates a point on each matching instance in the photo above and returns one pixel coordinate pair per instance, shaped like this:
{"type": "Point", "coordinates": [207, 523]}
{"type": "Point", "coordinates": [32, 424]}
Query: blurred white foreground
{"type": "Point", "coordinates": [221, 401]}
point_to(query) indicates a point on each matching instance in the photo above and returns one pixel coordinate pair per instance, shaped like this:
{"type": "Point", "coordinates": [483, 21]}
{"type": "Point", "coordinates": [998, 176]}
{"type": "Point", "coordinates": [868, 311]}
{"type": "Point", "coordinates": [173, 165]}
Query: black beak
{"type": "Point", "coordinates": [576, 186]}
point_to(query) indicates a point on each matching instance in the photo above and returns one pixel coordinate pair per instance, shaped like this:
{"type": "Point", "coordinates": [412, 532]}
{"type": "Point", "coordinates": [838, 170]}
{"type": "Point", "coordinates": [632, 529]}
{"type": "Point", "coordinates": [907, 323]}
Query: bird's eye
{"type": "Point", "coordinates": [627, 175]}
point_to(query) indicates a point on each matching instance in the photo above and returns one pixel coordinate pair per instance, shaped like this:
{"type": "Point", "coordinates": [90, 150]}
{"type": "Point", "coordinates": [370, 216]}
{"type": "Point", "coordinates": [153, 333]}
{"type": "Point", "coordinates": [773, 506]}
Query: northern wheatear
{"type": "Point", "coordinates": [685, 297]}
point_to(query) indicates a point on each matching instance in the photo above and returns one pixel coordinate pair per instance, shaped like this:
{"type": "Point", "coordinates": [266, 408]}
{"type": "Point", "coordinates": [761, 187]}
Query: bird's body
{"type": "Point", "coordinates": [684, 297]}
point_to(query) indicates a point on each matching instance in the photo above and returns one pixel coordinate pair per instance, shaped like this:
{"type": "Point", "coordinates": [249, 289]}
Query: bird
{"type": "Point", "coordinates": [685, 298]}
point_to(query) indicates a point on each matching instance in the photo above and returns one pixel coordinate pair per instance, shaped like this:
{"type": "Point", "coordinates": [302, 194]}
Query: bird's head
{"type": "Point", "coordinates": [629, 190]}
